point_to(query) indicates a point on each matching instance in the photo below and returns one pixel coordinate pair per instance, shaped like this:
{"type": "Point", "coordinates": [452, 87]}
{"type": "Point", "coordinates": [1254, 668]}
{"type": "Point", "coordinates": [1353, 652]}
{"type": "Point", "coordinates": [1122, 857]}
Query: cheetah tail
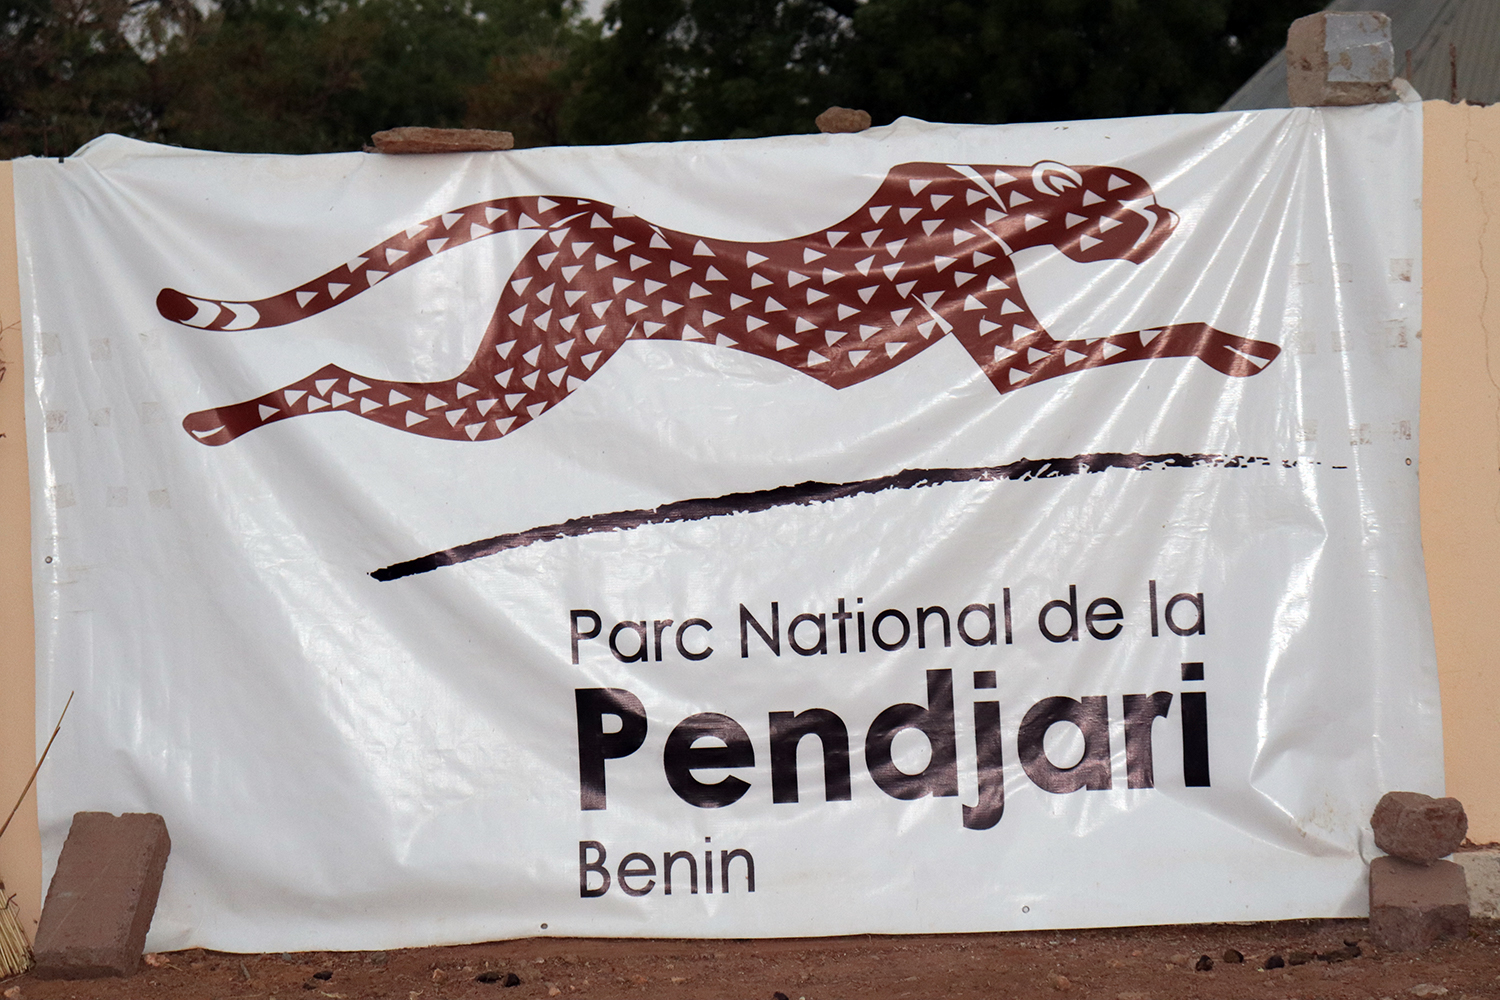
{"type": "Point", "coordinates": [423, 240]}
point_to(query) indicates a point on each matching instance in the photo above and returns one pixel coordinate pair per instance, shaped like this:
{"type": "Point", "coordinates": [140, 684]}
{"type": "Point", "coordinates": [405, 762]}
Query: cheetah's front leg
{"type": "Point", "coordinates": [1034, 359]}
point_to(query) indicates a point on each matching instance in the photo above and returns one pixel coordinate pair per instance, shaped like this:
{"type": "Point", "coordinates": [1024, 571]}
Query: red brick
{"type": "Point", "coordinates": [1414, 906]}
{"type": "Point", "coordinates": [102, 897]}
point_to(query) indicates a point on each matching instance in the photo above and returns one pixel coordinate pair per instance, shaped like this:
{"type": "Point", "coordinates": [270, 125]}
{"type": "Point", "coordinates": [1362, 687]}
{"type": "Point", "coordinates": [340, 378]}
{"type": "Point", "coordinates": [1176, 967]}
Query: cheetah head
{"type": "Point", "coordinates": [1089, 213]}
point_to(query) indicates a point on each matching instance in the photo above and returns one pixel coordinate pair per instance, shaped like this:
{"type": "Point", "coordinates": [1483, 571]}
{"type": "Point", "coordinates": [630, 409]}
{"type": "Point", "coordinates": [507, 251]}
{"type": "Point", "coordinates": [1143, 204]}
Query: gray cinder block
{"type": "Point", "coordinates": [1340, 59]}
{"type": "Point", "coordinates": [1482, 872]}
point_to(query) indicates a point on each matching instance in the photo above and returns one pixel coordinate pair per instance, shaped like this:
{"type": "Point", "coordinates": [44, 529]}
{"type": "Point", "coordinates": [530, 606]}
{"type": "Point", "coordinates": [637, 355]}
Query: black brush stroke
{"type": "Point", "coordinates": [803, 494]}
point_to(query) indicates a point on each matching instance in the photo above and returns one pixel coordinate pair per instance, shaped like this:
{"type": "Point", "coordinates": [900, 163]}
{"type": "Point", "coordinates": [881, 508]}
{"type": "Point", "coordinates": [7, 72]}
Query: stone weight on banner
{"type": "Point", "coordinates": [1417, 900]}
{"type": "Point", "coordinates": [1417, 827]}
{"type": "Point", "coordinates": [102, 897]}
{"type": "Point", "coordinates": [417, 139]}
{"type": "Point", "coordinates": [1415, 906]}
{"type": "Point", "coordinates": [1338, 59]}
{"type": "Point", "coordinates": [837, 119]}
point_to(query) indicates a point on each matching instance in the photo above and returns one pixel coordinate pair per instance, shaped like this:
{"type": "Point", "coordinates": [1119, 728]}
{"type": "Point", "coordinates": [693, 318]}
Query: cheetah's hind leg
{"type": "Point", "coordinates": [329, 388]}
{"type": "Point", "coordinates": [223, 424]}
{"type": "Point", "coordinates": [452, 410]}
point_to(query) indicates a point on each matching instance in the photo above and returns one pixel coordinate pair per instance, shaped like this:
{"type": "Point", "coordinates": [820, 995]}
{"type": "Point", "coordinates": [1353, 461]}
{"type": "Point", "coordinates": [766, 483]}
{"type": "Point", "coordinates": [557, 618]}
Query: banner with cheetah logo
{"type": "Point", "coordinates": [941, 528]}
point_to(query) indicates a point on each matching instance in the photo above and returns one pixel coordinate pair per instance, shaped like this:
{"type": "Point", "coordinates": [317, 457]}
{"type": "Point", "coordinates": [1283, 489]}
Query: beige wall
{"type": "Point", "coordinates": [20, 848]}
{"type": "Point", "coordinates": [1460, 472]}
{"type": "Point", "coordinates": [1460, 454]}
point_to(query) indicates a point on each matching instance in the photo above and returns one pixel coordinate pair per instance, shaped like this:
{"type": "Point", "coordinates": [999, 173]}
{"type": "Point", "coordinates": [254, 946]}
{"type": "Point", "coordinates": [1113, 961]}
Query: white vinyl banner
{"type": "Point", "coordinates": [941, 528]}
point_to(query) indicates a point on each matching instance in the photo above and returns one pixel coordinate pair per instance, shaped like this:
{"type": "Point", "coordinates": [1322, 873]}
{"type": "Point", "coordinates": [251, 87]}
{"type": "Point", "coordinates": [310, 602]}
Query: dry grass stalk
{"type": "Point", "coordinates": [15, 951]}
{"type": "Point", "coordinates": [34, 771]}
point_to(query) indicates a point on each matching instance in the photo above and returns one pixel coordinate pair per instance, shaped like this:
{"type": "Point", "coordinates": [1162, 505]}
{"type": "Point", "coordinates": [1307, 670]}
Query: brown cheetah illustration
{"type": "Point", "coordinates": [927, 255]}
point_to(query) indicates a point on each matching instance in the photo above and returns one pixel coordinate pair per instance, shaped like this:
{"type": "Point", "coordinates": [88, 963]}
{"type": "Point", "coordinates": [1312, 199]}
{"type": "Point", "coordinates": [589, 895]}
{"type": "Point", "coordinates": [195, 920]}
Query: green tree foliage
{"type": "Point", "coordinates": [669, 69]}
{"type": "Point", "coordinates": [300, 76]}
{"type": "Point", "coordinates": [69, 69]}
{"type": "Point", "coordinates": [316, 75]}
{"type": "Point", "coordinates": [674, 69]}
{"type": "Point", "coordinates": [285, 76]}
{"type": "Point", "coordinates": [1055, 60]}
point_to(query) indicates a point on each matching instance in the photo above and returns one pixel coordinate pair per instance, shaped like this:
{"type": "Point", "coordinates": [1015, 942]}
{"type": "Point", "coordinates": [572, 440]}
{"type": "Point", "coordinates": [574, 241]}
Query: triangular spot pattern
{"type": "Point", "coordinates": [928, 255]}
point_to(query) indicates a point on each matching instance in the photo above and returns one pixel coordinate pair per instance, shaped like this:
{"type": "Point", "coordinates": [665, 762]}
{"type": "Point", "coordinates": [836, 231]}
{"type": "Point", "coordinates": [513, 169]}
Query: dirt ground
{"type": "Point", "coordinates": [1325, 960]}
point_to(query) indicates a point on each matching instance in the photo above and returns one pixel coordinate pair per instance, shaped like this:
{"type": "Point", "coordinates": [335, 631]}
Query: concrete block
{"type": "Point", "coordinates": [414, 139]}
{"type": "Point", "coordinates": [838, 119]}
{"type": "Point", "coordinates": [1482, 872]}
{"type": "Point", "coordinates": [1417, 827]}
{"type": "Point", "coordinates": [102, 896]}
{"type": "Point", "coordinates": [1340, 59]}
{"type": "Point", "coordinates": [1414, 906]}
